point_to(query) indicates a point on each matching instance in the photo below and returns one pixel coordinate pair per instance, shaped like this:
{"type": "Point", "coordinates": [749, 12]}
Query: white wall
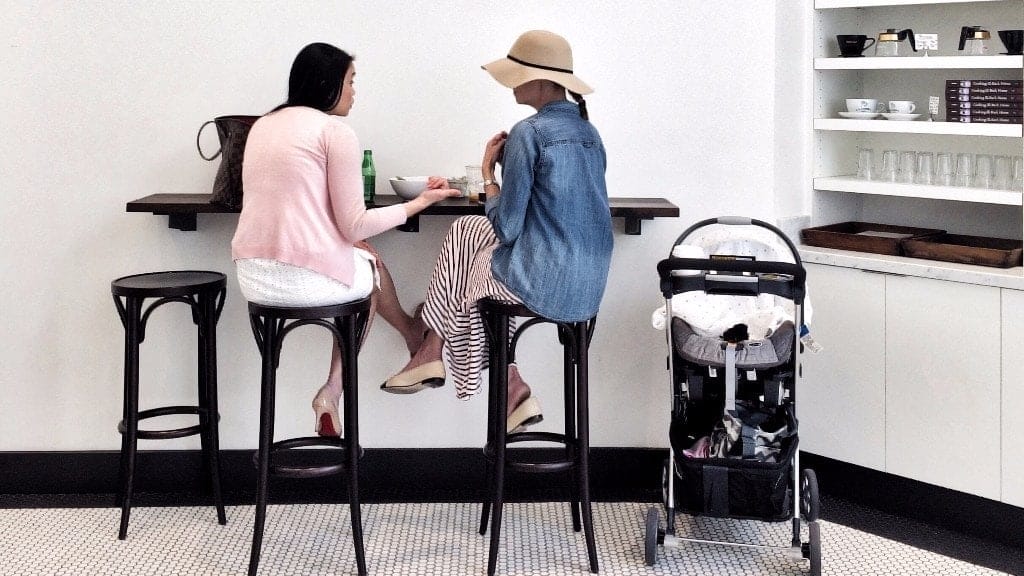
{"type": "Point", "coordinates": [101, 102]}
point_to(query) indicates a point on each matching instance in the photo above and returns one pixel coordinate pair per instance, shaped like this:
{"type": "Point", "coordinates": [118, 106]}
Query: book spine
{"type": "Point", "coordinates": [985, 119]}
{"type": "Point", "coordinates": [972, 98]}
{"type": "Point", "coordinates": [985, 91]}
{"type": "Point", "coordinates": [970, 105]}
{"type": "Point", "coordinates": [985, 113]}
{"type": "Point", "coordinates": [984, 83]}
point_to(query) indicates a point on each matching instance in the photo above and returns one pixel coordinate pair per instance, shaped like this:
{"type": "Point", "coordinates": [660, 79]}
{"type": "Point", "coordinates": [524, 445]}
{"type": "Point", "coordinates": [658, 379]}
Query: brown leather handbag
{"type": "Point", "coordinates": [233, 132]}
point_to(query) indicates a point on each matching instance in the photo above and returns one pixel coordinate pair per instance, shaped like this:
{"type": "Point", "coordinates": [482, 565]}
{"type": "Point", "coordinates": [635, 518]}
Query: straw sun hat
{"type": "Point", "coordinates": [538, 55]}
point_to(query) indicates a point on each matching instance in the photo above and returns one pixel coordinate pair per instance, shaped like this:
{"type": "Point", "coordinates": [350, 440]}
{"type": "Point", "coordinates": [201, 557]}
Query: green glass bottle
{"type": "Point", "coordinates": [369, 177]}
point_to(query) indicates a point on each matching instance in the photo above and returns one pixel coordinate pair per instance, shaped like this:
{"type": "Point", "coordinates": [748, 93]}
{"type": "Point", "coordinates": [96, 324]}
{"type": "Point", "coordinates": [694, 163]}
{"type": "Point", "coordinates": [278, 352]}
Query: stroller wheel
{"type": "Point", "coordinates": [651, 536]}
{"type": "Point", "coordinates": [815, 548]}
{"type": "Point", "coordinates": [809, 504]}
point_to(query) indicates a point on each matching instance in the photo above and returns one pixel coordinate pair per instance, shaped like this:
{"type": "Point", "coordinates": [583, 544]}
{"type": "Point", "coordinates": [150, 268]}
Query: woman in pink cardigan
{"type": "Point", "coordinates": [300, 236]}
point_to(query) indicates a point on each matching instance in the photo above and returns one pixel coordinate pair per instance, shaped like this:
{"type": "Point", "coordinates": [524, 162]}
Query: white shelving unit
{"type": "Point", "coordinates": [838, 197]}
{"type": "Point", "coordinates": [908, 341]}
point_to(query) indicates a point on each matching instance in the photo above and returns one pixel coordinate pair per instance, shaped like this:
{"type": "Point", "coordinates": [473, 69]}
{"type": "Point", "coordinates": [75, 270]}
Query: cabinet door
{"type": "Point", "coordinates": [942, 383]}
{"type": "Point", "coordinates": [841, 397]}
{"type": "Point", "coordinates": [1013, 397]}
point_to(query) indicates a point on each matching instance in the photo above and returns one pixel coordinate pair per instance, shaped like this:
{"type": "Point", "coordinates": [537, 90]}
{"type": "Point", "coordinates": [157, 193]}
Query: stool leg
{"type": "Point", "coordinates": [350, 379]}
{"type": "Point", "coordinates": [583, 424]}
{"type": "Point", "coordinates": [567, 336]}
{"type": "Point", "coordinates": [129, 438]}
{"type": "Point", "coordinates": [498, 380]}
{"type": "Point", "coordinates": [492, 421]}
{"type": "Point", "coordinates": [268, 381]}
{"type": "Point", "coordinates": [208, 414]}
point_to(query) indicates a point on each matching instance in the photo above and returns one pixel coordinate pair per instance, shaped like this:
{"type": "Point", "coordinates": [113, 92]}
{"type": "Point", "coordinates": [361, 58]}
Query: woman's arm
{"type": "Point", "coordinates": [506, 208]}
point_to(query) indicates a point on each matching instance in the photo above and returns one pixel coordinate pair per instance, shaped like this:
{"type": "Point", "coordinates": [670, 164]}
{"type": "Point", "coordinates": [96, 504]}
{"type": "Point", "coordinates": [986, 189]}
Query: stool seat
{"type": "Point", "coordinates": [203, 291]}
{"type": "Point", "coordinates": [575, 439]}
{"type": "Point", "coordinates": [163, 284]}
{"type": "Point", "coordinates": [270, 324]}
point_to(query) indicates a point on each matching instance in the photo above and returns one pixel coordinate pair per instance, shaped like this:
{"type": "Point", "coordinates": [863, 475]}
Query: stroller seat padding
{"type": "Point", "coordinates": [769, 352]}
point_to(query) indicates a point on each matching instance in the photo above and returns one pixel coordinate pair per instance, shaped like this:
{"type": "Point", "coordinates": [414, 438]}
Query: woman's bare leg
{"type": "Point", "coordinates": [412, 327]}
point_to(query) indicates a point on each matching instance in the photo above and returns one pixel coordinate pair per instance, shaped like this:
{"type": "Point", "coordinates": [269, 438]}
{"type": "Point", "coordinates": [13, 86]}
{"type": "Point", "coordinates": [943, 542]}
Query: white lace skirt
{"type": "Point", "coordinates": [274, 283]}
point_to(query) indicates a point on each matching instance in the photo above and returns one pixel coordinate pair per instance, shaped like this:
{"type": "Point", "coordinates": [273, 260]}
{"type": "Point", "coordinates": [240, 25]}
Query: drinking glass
{"type": "Point", "coordinates": [925, 168]}
{"type": "Point", "coordinates": [1017, 179]}
{"type": "Point", "coordinates": [890, 170]}
{"type": "Point", "coordinates": [964, 176]}
{"type": "Point", "coordinates": [908, 167]}
{"type": "Point", "coordinates": [1001, 175]}
{"type": "Point", "coordinates": [944, 169]}
{"type": "Point", "coordinates": [866, 164]}
{"type": "Point", "coordinates": [983, 171]}
{"type": "Point", "coordinates": [474, 182]}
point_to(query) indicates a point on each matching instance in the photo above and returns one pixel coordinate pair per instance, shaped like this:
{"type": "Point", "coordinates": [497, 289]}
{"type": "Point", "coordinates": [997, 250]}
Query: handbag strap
{"type": "Point", "coordinates": [200, 148]}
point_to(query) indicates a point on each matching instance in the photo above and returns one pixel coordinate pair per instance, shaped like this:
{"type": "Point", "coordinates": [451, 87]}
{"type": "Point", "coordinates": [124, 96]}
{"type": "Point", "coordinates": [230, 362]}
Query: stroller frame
{"type": "Point", "coordinates": [743, 278]}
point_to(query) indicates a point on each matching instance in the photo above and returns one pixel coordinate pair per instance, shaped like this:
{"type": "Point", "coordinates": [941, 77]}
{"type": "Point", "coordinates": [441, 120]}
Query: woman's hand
{"type": "Point", "coordinates": [437, 182]}
{"type": "Point", "coordinates": [433, 194]}
{"type": "Point", "coordinates": [493, 151]}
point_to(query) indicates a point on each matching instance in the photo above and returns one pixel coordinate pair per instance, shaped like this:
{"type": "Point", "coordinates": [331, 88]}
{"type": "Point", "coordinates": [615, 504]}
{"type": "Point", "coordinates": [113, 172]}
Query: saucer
{"type": "Point", "coordinates": [859, 115]}
{"type": "Point", "coordinates": [898, 116]}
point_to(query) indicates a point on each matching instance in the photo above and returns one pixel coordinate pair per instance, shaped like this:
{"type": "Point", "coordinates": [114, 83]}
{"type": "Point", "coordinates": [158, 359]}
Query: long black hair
{"type": "Point", "coordinates": [316, 77]}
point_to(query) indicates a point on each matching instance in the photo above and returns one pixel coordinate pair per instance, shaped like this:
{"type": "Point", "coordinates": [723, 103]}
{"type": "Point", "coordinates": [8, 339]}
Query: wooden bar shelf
{"type": "Point", "coordinates": [181, 209]}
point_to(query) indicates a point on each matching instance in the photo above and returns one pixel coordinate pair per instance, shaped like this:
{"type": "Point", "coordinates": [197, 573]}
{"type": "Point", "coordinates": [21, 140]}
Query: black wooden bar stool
{"type": "Point", "coordinates": [204, 293]}
{"type": "Point", "coordinates": [270, 324]}
{"type": "Point", "coordinates": [575, 339]}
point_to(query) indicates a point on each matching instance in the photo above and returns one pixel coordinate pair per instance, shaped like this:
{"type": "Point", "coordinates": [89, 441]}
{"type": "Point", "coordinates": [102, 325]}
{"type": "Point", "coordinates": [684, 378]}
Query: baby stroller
{"type": "Point", "coordinates": [733, 358]}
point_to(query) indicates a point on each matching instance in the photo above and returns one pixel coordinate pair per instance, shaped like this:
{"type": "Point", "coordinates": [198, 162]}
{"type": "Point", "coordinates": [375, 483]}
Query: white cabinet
{"type": "Point", "coordinates": [913, 379]}
{"type": "Point", "coordinates": [841, 399]}
{"type": "Point", "coordinates": [837, 195]}
{"type": "Point", "coordinates": [1013, 397]}
{"type": "Point", "coordinates": [942, 374]}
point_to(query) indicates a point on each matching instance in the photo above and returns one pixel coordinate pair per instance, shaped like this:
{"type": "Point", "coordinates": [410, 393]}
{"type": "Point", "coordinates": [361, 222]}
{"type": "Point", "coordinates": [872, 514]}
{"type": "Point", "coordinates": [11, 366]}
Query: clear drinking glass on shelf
{"type": "Point", "coordinates": [944, 169]}
{"type": "Point", "coordinates": [866, 164]}
{"type": "Point", "coordinates": [964, 176]}
{"type": "Point", "coordinates": [1017, 179]}
{"type": "Point", "coordinates": [925, 168]}
{"type": "Point", "coordinates": [890, 169]}
{"type": "Point", "coordinates": [1001, 175]}
{"type": "Point", "coordinates": [908, 167]}
{"type": "Point", "coordinates": [983, 171]}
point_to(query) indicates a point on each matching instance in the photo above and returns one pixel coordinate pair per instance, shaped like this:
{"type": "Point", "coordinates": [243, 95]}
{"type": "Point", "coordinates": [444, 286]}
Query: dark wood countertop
{"type": "Point", "coordinates": [181, 209]}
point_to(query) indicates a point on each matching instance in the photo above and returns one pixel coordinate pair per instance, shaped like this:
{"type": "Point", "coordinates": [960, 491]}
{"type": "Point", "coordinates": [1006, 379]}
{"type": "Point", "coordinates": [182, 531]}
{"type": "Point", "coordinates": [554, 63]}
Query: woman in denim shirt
{"type": "Point", "coordinates": [546, 241]}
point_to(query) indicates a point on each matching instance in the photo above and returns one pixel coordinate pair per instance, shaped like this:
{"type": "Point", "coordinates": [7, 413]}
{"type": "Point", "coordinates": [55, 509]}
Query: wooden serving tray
{"type": "Point", "coordinates": [979, 250]}
{"type": "Point", "coordinates": [864, 237]}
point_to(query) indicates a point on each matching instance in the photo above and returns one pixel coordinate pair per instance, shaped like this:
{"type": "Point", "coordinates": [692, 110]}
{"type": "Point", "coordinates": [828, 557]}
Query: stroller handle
{"type": "Point", "coordinates": [740, 221]}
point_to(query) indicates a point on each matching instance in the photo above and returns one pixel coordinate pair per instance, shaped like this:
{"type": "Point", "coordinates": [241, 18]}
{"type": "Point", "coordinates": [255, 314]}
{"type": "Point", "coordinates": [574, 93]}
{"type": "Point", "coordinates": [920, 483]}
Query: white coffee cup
{"type": "Point", "coordinates": [864, 105]}
{"type": "Point", "coordinates": [902, 106]}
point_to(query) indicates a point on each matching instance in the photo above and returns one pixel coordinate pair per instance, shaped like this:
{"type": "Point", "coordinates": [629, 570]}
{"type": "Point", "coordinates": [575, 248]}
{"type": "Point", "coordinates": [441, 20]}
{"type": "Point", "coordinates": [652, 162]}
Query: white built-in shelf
{"type": "Point", "coordinates": [871, 3]}
{"type": "Point", "coordinates": [920, 127]}
{"type": "Point", "coordinates": [901, 265]}
{"type": "Point", "coordinates": [858, 186]}
{"type": "Point", "coordinates": [921, 63]}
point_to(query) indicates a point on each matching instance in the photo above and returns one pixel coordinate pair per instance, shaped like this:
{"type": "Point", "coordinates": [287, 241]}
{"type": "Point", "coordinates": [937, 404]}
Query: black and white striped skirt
{"type": "Point", "coordinates": [461, 277]}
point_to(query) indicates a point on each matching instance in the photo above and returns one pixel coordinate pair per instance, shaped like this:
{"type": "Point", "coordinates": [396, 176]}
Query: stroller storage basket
{"type": "Point", "coordinates": [734, 488]}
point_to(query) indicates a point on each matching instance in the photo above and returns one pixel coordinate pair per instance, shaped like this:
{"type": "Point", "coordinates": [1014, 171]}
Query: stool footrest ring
{"type": "Point", "coordinates": [167, 434]}
{"type": "Point", "coordinates": [287, 447]}
{"type": "Point", "coordinates": [532, 462]}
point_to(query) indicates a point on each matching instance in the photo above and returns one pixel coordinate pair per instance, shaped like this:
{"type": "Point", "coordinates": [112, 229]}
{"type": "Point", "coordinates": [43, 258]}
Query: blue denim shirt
{"type": "Point", "coordinates": [552, 215]}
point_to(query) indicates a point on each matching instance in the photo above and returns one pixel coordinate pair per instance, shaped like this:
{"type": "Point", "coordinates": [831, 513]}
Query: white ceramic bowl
{"type": "Point", "coordinates": [409, 187]}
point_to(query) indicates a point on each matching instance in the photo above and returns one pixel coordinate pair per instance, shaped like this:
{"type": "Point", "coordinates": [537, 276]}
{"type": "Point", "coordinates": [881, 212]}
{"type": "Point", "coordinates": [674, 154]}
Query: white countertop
{"type": "Point", "coordinates": [986, 276]}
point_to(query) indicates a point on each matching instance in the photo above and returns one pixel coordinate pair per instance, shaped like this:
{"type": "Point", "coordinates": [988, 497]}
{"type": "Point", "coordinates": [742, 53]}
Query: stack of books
{"type": "Point", "coordinates": [993, 101]}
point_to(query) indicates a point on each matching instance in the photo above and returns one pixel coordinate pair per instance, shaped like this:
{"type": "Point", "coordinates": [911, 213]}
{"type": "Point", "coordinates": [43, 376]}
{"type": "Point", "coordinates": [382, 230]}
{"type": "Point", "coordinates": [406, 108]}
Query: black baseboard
{"type": "Point", "coordinates": [173, 478]}
{"type": "Point", "coordinates": [386, 475]}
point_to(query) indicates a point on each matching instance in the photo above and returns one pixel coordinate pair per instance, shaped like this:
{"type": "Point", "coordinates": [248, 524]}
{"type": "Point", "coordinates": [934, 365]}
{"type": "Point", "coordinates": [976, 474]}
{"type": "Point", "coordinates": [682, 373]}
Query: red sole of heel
{"type": "Point", "coordinates": [326, 427]}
